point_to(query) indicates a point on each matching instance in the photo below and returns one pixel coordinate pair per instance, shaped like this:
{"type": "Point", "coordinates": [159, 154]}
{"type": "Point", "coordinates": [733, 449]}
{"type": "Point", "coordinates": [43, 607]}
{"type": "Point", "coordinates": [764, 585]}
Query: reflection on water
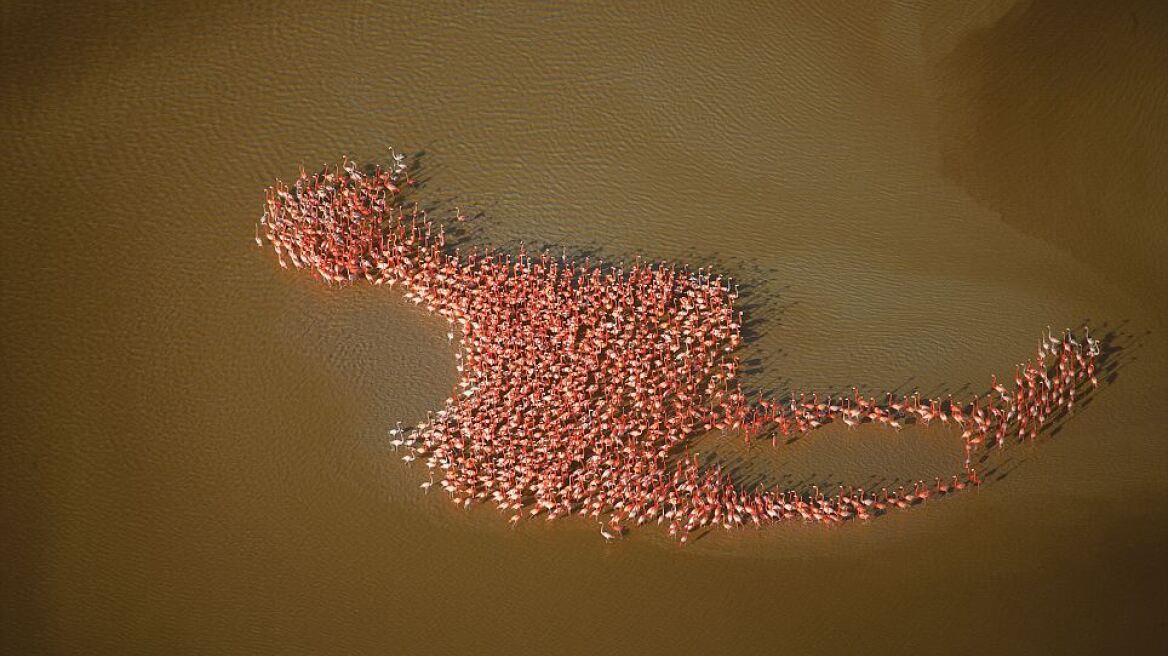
{"type": "Point", "coordinates": [195, 439]}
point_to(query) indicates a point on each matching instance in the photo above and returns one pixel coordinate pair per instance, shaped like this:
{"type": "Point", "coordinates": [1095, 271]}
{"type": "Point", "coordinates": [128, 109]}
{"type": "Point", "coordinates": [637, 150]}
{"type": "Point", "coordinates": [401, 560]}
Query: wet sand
{"type": "Point", "coordinates": [195, 452]}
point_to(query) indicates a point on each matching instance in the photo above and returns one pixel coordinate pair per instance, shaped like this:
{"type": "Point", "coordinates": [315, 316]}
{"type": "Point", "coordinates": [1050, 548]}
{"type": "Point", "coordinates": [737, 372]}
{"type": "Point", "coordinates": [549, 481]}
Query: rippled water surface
{"type": "Point", "coordinates": [195, 457]}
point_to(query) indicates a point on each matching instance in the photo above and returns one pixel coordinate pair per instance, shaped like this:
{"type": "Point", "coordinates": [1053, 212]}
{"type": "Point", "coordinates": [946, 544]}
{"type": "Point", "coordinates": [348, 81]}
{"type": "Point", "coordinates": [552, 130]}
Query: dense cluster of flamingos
{"type": "Point", "coordinates": [579, 384]}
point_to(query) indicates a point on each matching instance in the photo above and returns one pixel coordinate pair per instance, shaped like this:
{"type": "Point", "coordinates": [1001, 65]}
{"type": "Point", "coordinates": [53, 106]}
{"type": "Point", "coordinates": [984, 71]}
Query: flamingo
{"type": "Point", "coordinates": [608, 537]}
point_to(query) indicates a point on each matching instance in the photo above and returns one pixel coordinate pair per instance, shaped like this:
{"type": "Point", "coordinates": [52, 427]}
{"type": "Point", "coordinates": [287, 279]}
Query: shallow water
{"type": "Point", "coordinates": [195, 455]}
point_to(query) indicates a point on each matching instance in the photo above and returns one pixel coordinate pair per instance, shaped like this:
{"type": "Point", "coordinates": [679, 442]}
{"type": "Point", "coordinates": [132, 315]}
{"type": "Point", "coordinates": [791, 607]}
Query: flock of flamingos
{"type": "Point", "coordinates": [579, 384]}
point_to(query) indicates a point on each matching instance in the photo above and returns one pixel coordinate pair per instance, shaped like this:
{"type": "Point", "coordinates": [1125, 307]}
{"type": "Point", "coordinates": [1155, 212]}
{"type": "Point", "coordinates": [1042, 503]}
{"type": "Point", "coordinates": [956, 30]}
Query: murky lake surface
{"type": "Point", "coordinates": [194, 452]}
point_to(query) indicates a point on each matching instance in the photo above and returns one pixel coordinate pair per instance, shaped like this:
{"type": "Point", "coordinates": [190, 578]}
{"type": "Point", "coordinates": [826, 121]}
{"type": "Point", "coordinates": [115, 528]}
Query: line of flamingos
{"type": "Point", "coordinates": [578, 384]}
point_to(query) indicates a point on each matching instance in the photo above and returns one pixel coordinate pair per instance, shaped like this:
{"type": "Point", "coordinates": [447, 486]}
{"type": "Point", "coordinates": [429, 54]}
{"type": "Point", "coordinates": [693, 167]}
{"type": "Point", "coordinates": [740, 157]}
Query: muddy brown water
{"type": "Point", "coordinates": [195, 458]}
